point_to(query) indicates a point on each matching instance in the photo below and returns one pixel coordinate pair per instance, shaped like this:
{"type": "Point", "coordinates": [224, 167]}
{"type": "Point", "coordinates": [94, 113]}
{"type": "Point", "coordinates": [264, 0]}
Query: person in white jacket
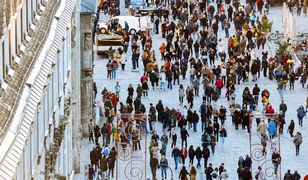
{"type": "Point", "coordinates": [162, 79]}
{"type": "Point", "coordinates": [224, 175]}
{"type": "Point", "coordinates": [181, 94]}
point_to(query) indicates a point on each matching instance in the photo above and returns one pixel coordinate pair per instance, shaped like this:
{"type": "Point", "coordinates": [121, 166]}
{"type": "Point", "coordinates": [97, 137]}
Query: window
{"type": "Point", "coordinates": [10, 49]}
{"type": "Point", "coordinates": [16, 35]}
{"type": "Point", "coordinates": [3, 60]}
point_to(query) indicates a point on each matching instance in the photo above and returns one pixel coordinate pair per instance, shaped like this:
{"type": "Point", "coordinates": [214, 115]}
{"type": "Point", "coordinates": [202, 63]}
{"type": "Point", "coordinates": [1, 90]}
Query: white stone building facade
{"type": "Point", "coordinates": [40, 139]}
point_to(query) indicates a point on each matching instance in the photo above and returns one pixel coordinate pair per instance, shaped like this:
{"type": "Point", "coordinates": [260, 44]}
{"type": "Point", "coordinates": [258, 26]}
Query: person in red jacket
{"type": "Point", "coordinates": [269, 109]}
{"type": "Point", "coordinates": [219, 85]}
{"type": "Point", "coordinates": [114, 100]}
{"type": "Point", "coordinates": [162, 50]}
{"type": "Point", "coordinates": [143, 78]}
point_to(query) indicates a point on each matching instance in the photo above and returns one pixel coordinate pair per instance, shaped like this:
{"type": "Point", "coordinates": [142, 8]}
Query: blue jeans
{"type": "Point", "coordinates": [280, 93]}
{"type": "Point", "coordinates": [198, 164]}
{"type": "Point", "coordinates": [162, 85]}
{"type": "Point", "coordinates": [183, 160]}
{"type": "Point", "coordinates": [176, 161]}
{"type": "Point", "coordinates": [163, 171]}
{"type": "Point", "coordinates": [169, 86]}
{"type": "Point", "coordinates": [195, 126]}
{"type": "Point", "coordinates": [153, 125]}
{"type": "Point", "coordinates": [275, 167]}
{"type": "Point", "coordinates": [134, 64]}
{"type": "Point", "coordinates": [222, 141]}
{"type": "Point", "coordinates": [114, 73]}
{"type": "Point", "coordinates": [164, 124]}
{"type": "Point", "coordinates": [192, 77]}
{"type": "Point", "coordinates": [203, 125]}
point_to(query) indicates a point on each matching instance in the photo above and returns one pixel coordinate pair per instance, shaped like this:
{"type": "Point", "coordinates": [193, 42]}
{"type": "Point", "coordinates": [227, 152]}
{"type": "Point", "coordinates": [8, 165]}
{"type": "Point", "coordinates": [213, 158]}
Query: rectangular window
{"type": "Point", "coordinates": [10, 48]}
{"type": "Point", "coordinates": [3, 60]}
{"type": "Point", "coordinates": [16, 25]}
{"type": "Point", "coordinates": [27, 15]}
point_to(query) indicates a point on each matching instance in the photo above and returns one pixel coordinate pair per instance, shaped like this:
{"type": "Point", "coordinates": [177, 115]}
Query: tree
{"type": "Point", "coordinates": [266, 25]}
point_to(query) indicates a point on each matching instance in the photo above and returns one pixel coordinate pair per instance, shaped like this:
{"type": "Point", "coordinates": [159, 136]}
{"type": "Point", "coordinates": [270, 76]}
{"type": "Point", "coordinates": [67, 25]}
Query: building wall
{"type": "Point", "coordinates": [64, 85]}
{"type": "Point", "coordinates": [49, 114]}
{"type": "Point", "coordinates": [51, 109]}
{"type": "Point", "coordinates": [16, 19]}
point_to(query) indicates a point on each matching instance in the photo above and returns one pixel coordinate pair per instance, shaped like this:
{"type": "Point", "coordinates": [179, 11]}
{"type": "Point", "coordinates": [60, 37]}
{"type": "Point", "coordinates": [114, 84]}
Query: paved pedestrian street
{"type": "Point", "coordinates": [136, 164]}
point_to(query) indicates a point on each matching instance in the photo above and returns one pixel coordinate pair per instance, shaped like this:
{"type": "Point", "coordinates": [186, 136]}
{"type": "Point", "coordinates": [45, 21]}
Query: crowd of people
{"type": "Point", "coordinates": [194, 46]}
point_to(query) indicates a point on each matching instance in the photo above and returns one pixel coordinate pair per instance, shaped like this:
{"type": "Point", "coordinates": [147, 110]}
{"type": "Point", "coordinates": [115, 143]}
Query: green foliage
{"type": "Point", "coordinates": [282, 47]}
{"type": "Point", "coordinates": [266, 25]}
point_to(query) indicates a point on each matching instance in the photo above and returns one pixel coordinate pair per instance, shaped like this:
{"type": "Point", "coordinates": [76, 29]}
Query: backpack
{"type": "Point", "coordinates": [106, 152]}
{"type": "Point", "coordinates": [205, 153]}
{"type": "Point", "coordinates": [214, 175]}
{"type": "Point", "coordinates": [219, 84]}
{"type": "Point", "coordinates": [164, 162]}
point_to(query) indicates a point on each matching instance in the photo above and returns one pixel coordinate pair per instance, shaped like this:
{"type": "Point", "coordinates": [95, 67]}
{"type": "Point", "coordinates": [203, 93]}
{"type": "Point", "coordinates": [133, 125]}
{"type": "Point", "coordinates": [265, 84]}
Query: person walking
{"type": "Point", "coordinates": [117, 89]}
{"type": "Point", "coordinates": [183, 173]}
{"type": "Point", "coordinates": [223, 135]}
{"type": "Point", "coordinates": [184, 135]}
{"type": "Point", "coordinates": [94, 158]}
{"type": "Point", "coordinates": [111, 162]}
{"type": "Point", "coordinates": [181, 94]}
{"type": "Point", "coordinates": [192, 173]}
{"type": "Point", "coordinates": [91, 172]}
{"type": "Point", "coordinates": [216, 130]}
{"type": "Point", "coordinates": [163, 166]}
{"type": "Point", "coordinates": [296, 176]}
{"type": "Point", "coordinates": [198, 154]}
{"type": "Point", "coordinates": [206, 154]}
{"type": "Point", "coordinates": [191, 155]}
{"type": "Point", "coordinates": [298, 140]}
{"type": "Point", "coordinates": [208, 172]}
{"type": "Point", "coordinates": [287, 175]}
{"type": "Point", "coordinates": [259, 174]}
{"type": "Point", "coordinates": [154, 166]}
{"type": "Point", "coordinates": [104, 166]}
{"type": "Point", "coordinates": [276, 160]}
{"type": "Point", "coordinates": [264, 139]}
{"type": "Point", "coordinates": [183, 154]}
{"type": "Point", "coordinates": [91, 128]}
{"type": "Point", "coordinates": [176, 153]}
{"type": "Point", "coordinates": [162, 78]}
{"type": "Point", "coordinates": [301, 113]}
{"type": "Point", "coordinates": [283, 107]}
{"type": "Point", "coordinates": [291, 128]}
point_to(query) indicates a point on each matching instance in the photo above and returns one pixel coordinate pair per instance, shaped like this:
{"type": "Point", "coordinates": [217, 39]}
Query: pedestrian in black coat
{"type": "Point", "coordinates": [208, 172]}
{"type": "Point", "coordinates": [111, 161]}
{"type": "Point", "coordinates": [91, 173]}
{"type": "Point", "coordinates": [93, 158]}
{"type": "Point", "coordinates": [291, 128]}
{"type": "Point", "coordinates": [296, 176]}
{"type": "Point", "coordinates": [191, 155]}
{"type": "Point", "coordinates": [246, 174]}
{"type": "Point", "coordinates": [184, 135]}
{"type": "Point", "coordinates": [104, 165]}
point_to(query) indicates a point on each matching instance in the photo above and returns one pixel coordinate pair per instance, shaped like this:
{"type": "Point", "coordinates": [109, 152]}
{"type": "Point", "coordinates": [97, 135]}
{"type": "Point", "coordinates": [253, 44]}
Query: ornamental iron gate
{"type": "Point", "coordinates": [132, 156]}
{"type": "Point", "coordinates": [257, 124]}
